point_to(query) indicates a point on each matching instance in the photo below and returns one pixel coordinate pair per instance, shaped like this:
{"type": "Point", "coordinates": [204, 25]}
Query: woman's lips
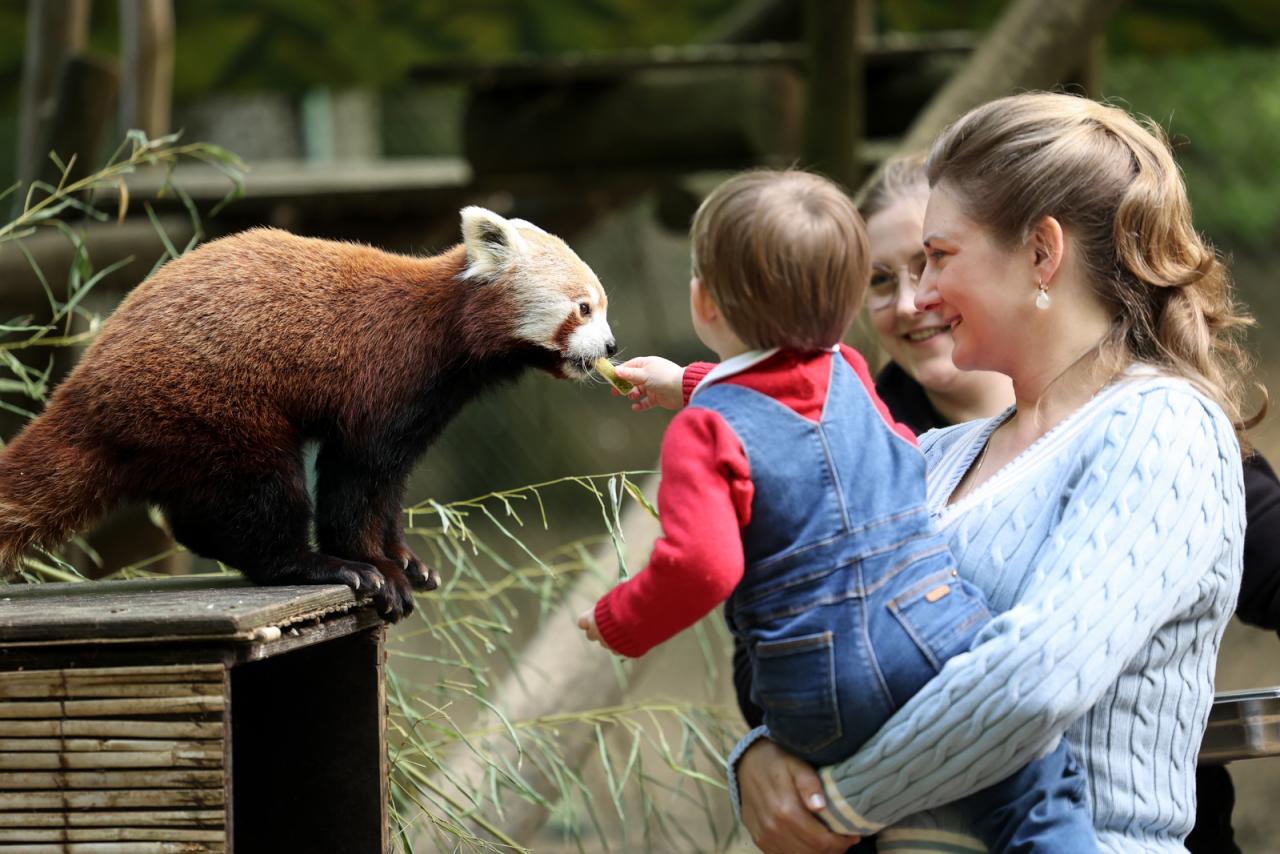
{"type": "Point", "coordinates": [917, 336]}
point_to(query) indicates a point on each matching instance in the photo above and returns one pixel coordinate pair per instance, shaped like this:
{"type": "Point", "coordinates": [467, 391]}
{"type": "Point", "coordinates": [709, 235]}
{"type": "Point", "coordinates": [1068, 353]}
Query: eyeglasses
{"type": "Point", "coordinates": [886, 281]}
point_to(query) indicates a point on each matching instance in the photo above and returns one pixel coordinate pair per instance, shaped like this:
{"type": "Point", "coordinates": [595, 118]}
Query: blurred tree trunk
{"type": "Point", "coordinates": [146, 50]}
{"type": "Point", "coordinates": [1031, 45]}
{"type": "Point", "coordinates": [834, 91]}
{"type": "Point", "coordinates": [56, 30]}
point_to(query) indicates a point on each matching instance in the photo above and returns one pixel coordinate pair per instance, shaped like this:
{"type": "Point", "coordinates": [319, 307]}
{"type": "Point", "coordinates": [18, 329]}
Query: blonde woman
{"type": "Point", "coordinates": [1103, 513]}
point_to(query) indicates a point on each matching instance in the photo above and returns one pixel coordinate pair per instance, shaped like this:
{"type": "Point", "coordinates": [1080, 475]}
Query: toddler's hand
{"type": "Point", "coordinates": [657, 381]}
{"type": "Point", "coordinates": [587, 622]}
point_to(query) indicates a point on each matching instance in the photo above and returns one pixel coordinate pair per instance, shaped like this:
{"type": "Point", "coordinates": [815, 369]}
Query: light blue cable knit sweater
{"type": "Point", "coordinates": [1112, 546]}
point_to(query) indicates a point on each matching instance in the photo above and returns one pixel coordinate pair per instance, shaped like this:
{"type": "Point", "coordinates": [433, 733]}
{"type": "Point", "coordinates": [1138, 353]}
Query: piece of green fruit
{"type": "Point", "coordinates": [605, 368]}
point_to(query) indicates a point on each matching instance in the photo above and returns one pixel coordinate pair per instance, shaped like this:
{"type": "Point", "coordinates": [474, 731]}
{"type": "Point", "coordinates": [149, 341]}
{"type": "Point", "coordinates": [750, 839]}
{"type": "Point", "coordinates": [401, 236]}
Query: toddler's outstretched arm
{"type": "Point", "coordinates": [657, 381]}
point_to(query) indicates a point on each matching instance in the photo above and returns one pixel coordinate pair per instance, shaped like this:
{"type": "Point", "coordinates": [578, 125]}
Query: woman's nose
{"type": "Point", "coordinates": [927, 296]}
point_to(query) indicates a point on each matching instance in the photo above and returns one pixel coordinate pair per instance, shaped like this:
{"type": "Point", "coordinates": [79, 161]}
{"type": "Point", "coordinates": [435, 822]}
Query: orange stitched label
{"type": "Point", "coordinates": [937, 593]}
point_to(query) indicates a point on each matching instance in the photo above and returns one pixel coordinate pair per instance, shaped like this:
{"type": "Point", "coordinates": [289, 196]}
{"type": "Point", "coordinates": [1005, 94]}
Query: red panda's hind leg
{"type": "Point", "coordinates": [259, 524]}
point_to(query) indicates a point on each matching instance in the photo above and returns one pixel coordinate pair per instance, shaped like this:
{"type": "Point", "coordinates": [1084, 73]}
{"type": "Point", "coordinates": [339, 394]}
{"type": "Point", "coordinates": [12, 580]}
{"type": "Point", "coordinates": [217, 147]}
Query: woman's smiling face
{"type": "Point", "coordinates": [919, 342]}
{"type": "Point", "coordinates": [976, 287]}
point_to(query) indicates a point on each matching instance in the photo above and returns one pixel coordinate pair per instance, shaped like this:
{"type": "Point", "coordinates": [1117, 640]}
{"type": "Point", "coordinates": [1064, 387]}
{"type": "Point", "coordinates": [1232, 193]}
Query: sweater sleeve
{"type": "Point", "coordinates": [693, 374]}
{"type": "Point", "coordinates": [704, 498]}
{"type": "Point", "coordinates": [1157, 499]}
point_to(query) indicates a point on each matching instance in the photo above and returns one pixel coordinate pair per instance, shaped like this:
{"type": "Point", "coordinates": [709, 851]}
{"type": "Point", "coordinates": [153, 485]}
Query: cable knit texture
{"type": "Point", "coordinates": [1113, 548]}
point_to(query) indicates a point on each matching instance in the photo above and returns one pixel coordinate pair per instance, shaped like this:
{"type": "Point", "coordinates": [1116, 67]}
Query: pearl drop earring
{"type": "Point", "coordinates": [1042, 298]}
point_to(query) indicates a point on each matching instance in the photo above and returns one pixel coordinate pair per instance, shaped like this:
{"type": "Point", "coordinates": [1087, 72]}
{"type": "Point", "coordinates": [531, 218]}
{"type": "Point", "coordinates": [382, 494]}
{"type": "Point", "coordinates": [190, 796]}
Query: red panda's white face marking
{"type": "Point", "coordinates": [560, 304]}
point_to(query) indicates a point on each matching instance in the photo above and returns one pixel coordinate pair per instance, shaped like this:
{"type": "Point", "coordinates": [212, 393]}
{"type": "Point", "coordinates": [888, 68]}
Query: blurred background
{"type": "Point", "coordinates": [604, 121]}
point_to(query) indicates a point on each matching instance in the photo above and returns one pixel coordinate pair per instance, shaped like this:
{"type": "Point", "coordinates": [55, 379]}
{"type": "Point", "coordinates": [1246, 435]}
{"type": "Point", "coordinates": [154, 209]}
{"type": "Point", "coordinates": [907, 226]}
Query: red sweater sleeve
{"type": "Point", "coordinates": [693, 375]}
{"type": "Point", "coordinates": [704, 499]}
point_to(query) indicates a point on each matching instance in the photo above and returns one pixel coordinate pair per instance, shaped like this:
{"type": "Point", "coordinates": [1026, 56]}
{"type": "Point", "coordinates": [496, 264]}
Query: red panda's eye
{"type": "Point", "coordinates": [585, 308]}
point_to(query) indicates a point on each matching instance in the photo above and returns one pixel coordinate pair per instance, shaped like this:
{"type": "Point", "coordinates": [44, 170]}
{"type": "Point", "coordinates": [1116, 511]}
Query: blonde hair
{"type": "Point", "coordinates": [1112, 182]}
{"type": "Point", "coordinates": [784, 255]}
{"type": "Point", "coordinates": [900, 177]}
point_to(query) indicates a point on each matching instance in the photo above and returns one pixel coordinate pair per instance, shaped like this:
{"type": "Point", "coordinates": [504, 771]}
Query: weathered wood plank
{"type": "Point", "coordinates": [98, 745]}
{"type": "Point", "coordinates": [190, 606]}
{"type": "Point", "coordinates": [110, 834]}
{"type": "Point", "coordinates": [107, 799]}
{"type": "Point", "coordinates": [58, 690]}
{"type": "Point", "coordinates": [116, 848]}
{"type": "Point", "coordinates": [131, 706]}
{"type": "Point", "coordinates": [75, 780]}
{"type": "Point", "coordinates": [128, 673]}
{"type": "Point", "coordinates": [133, 818]}
{"type": "Point", "coordinates": [179, 758]}
{"type": "Point", "coordinates": [110, 729]}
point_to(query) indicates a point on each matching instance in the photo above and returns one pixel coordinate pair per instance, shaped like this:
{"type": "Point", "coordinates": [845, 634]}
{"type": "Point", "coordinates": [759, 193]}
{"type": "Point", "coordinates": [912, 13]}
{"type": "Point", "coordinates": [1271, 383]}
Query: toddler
{"type": "Point", "coordinates": [790, 495]}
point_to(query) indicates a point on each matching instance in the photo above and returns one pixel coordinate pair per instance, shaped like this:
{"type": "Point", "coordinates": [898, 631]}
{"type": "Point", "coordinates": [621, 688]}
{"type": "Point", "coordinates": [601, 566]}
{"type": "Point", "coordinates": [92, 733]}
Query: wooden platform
{"type": "Point", "coordinates": [198, 714]}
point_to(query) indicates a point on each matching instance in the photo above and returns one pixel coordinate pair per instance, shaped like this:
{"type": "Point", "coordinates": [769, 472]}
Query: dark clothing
{"type": "Point", "coordinates": [1259, 603]}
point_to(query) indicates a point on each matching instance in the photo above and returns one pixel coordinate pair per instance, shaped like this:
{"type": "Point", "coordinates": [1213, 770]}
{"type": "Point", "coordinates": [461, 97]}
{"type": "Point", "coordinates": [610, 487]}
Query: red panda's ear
{"type": "Point", "coordinates": [492, 242]}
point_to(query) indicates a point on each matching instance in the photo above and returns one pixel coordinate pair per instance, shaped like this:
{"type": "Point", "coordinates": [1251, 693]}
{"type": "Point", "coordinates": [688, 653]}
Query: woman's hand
{"type": "Point", "coordinates": [657, 381]}
{"type": "Point", "coordinates": [780, 795]}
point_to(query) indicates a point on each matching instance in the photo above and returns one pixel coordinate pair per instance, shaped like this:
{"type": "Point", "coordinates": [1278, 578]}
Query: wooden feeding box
{"type": "Point", "coordinates": [190, 714]}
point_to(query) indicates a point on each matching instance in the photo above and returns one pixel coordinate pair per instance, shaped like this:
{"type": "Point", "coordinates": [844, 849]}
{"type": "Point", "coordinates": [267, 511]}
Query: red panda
{"type": "Point", "coordinates": [203, 386]}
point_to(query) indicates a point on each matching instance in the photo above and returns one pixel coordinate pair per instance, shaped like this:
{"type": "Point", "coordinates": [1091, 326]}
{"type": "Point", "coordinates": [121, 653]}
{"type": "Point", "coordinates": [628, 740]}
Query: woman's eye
{"type": "Point", "coordinates": [585, 308]}
{"type": "Point", "coordinates": [881, 280]}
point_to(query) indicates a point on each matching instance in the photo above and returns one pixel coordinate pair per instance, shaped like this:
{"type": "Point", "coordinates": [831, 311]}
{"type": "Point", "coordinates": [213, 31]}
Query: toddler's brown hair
{"type": "Point", "coordinates": [784, 254]}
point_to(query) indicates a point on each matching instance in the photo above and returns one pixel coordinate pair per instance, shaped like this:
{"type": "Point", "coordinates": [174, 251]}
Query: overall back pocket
{"type": "Point", "coordinates": [942, 615]}
{"type": "Point", "coordinates": [795, 685]}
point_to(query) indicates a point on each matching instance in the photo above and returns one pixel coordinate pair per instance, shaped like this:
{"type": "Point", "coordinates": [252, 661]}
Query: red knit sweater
{"type": "Point", "coordinates": [704, 499]}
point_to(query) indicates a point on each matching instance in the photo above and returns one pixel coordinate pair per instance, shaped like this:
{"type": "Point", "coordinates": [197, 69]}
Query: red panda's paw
{"type": "Point", "coordinates": [395, 600]}
{"type": "Point", "coordinates": [360, 577]}
{"type": "Point", "coordinates": [421, 577]}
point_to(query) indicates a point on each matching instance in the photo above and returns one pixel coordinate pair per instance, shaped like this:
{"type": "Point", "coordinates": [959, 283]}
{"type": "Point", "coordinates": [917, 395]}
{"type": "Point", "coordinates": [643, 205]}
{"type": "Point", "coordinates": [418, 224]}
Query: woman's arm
{"type": "Point", "coordinates": [1260, 586]}
{"type": "Point", "coordinates": [1139, 530]}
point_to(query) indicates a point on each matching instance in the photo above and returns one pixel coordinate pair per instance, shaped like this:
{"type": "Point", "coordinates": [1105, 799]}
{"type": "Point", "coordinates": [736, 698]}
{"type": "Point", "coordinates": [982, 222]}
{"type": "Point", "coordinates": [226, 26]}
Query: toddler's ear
{"type": "Point", "coordinates": [493, 243]}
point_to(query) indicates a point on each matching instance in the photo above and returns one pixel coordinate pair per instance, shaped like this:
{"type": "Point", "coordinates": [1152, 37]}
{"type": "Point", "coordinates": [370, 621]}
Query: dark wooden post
{"type": "Point", "coordinates": [85, 101]}
{"type": "Point", "coordinates": [56, 29]}
{"type": "Point", "coordinates": [146, 58]}
{"type": "Point", "coordinates": [834, 30]}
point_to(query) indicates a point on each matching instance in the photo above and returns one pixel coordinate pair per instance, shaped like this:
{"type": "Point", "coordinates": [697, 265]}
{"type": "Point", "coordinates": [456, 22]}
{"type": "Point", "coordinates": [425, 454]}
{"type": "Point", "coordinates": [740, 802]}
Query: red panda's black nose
{"type": "Point", "coordinates": [611, 347]}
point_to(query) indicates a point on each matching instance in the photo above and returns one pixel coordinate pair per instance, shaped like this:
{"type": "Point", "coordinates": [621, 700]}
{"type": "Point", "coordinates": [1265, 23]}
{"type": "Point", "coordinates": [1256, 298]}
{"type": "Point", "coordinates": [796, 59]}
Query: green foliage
{"type": "Point", "coordinates": [1222, 112]}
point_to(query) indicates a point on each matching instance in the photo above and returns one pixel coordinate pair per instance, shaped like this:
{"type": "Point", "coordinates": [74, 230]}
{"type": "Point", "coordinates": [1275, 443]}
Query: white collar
{"type": "Point", "coordinates": [739, 364]}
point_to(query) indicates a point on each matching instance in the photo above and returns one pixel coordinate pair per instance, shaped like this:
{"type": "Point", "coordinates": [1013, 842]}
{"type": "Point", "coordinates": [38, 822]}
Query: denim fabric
{"type": "Point", "coordinates": [850, 601]}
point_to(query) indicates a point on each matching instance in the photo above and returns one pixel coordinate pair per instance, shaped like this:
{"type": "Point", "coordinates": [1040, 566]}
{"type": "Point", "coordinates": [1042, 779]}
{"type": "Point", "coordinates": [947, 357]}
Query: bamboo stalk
{"type": "Point", "coordinates": [111, 799]}
{"type": "Point", "coordinates": [110, 729]}
{"type": "Point", "coordinates": [148, 673]}
{"type": "Point", "coordinates": [111, 834]}
{"type": "Point", "coordinates": [133, 706]}
{"type": "Point", "coordinates": [179, 758]}
{"type": "Point", "coordinates": [72, 780]}
{"type": "Point", "coordinates": [96, 745]}
{"type": "Point", "coordinates": [134, 818]}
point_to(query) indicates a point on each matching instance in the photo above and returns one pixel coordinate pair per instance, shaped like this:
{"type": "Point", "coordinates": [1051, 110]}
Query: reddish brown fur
{"type": "Point", "coordinates": [216, 370]}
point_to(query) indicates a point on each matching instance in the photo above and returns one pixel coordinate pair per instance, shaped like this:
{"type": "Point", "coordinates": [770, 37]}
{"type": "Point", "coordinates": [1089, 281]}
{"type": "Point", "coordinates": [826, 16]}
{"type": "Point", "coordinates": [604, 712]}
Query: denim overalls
{"type": "Point", "coordinates": [850, 601]}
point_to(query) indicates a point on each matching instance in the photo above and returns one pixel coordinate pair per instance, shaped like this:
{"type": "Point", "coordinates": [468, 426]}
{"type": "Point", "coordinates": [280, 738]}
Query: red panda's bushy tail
{"type": "Point", "coordinates": [49, 488]}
